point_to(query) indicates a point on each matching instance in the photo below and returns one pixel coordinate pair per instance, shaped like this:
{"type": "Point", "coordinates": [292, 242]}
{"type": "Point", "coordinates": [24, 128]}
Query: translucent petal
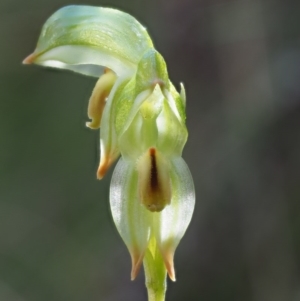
{"type": "Point", "coordinates": [172, 133]}
{"type": "Point", "coordinates": [179, 99]}
{"type": "Point", "coordinates": [183, 94]}
{"type": "Point", "coordinates": [131, 218]}
{"type": "Point", "coordinates": [173, 221]}
{"type": "Point", "coordinates": [176, 102]}
{"type": "Point", "coordinates": [76, 35]}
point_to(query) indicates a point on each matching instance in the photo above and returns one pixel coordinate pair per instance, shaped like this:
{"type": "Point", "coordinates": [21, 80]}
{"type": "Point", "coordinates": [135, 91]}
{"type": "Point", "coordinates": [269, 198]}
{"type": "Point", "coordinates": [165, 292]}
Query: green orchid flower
{"type": "Point", "coordinates": [142, 118]}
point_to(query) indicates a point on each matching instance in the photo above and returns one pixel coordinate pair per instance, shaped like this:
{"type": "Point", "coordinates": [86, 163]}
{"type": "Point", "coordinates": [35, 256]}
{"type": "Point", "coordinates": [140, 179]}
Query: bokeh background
{"type": "Point", "coordinates": [240, 62]}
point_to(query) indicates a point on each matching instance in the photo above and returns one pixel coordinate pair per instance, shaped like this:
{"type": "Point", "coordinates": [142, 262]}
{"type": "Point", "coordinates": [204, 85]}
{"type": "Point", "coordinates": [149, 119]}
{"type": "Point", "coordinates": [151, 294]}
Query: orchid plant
{"type": "Point", "coordinates": [142, 118]}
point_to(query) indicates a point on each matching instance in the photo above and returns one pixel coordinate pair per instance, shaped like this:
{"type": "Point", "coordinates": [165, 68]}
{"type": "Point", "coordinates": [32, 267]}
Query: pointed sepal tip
{"type": "Point", "coordinates": [137, 260]}
{"type": "Point", "coordinates": [169, 264]}
{"type": "Point", "coordinates": [29, 59]}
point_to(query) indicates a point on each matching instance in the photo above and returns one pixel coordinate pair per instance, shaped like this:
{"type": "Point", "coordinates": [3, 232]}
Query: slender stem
{"type": "Point", "coordinates": [155, 273]}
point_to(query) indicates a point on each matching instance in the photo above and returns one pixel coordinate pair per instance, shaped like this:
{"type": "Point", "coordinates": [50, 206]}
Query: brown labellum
{"type": "Point", "coordinates": [154, 180]}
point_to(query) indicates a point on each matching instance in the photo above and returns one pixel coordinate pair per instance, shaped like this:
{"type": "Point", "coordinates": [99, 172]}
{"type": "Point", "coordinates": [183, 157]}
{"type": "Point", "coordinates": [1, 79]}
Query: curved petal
{"type": "Point", "coordinates": [131, 218]}
{"type": "Point", "coordinates": [86, 35]}
{"type": "Point", "coordinates": [173, 221]}
{"type": "Point", "coordinates": [109, 150]}
{"type": "Point", "coordinates": [98, 98]}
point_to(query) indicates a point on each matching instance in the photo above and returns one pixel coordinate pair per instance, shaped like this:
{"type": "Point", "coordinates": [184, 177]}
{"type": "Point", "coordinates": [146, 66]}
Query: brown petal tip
{"type": "Point", "coordinates": [136, 264]}
{"type": "Point", "coordinates": [101, 172]}
{"type": "Point", "coordinates": [105, 164]}
{"type": "Point", "coordinates": [29, 59]}
{"type": "Point", "coordinates": [171, 271]}
{"type": "Point", "coordinates": [103, 168]}
{"type": "Point", "coordinates": [169, 264]}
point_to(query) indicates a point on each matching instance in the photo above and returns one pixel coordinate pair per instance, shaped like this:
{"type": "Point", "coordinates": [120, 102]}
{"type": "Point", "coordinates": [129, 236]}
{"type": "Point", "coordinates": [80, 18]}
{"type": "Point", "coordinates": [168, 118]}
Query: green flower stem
{"type": "Point", "coordinates": [155, 272]}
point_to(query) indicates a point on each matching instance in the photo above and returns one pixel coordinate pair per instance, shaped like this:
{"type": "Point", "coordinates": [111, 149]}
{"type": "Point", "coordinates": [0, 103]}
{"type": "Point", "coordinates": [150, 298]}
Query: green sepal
{"type": "Point", "coordinates": [86, 35]}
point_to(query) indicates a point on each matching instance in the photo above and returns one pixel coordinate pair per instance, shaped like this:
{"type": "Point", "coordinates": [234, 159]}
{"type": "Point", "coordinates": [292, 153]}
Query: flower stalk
{"type": "Point", "coordinates": [155, 272]}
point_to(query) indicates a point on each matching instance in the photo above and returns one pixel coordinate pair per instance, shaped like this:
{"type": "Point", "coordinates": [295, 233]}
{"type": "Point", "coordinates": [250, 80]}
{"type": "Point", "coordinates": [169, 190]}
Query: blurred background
{"type": "Point", "coordinates": [240, 62]}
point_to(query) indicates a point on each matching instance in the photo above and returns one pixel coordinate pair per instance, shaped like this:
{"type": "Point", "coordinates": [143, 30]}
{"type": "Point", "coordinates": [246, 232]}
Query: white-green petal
{"type": "Point", "coordinates": [86, 35]}
{"type": "Point", "coordinates": [173, 221]}
{"type": "Point", "coordinates": [130, 216]}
